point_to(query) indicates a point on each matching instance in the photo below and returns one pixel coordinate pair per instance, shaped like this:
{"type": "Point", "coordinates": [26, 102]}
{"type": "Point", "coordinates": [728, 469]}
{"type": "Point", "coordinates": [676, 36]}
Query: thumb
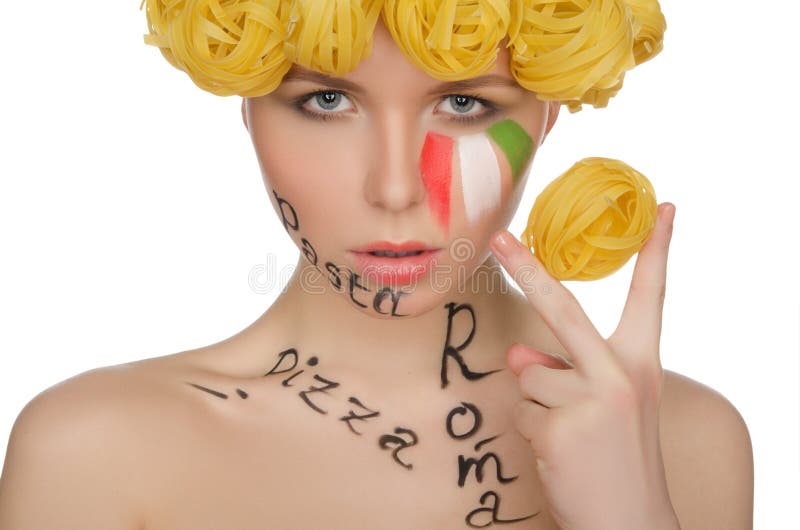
{"type": "Point", "coordinates": [520, 355]}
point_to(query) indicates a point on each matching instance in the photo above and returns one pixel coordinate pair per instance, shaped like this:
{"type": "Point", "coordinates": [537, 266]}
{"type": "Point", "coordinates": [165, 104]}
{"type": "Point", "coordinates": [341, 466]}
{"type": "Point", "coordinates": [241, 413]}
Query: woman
{"type": "Point", "coordinates": [400, 381]}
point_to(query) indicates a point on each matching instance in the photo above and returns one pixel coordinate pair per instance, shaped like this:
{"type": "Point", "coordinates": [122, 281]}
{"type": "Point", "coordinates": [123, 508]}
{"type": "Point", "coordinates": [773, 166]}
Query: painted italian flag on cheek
{"type": "Point", "coordinates": [480, 169]}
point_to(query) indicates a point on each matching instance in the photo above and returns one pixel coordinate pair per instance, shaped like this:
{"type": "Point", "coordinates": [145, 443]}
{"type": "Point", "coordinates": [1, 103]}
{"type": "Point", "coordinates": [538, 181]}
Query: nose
{"type": "Point", "coordinates": [393, 181]}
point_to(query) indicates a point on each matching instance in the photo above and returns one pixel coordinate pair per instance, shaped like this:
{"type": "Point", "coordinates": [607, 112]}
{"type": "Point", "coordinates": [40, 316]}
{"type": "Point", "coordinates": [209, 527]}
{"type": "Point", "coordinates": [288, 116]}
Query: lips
{"type": "Point", "coordinates": [406, 246]}
{"type": "Point", "coordinates": [394, 263]}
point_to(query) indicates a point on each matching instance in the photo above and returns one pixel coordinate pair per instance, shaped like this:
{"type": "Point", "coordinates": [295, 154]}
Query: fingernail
{"type": "Point", "coordinates": [503, 244]}
{"type": "Point", "coordinates": [668, 213]}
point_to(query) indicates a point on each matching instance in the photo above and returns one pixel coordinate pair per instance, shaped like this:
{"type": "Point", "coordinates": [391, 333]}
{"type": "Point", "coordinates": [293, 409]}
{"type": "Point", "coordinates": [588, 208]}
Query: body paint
{"type": "Point", "coordinates": [436, 167]}
{"type": "Point", "coordinates": [515, 143]}
{"type": "Point", "coordinates": [468, 430]}
{"type": "Point", "coordinates": [480, 169]}
{"type": "Point", "coordinates": [480, 175]}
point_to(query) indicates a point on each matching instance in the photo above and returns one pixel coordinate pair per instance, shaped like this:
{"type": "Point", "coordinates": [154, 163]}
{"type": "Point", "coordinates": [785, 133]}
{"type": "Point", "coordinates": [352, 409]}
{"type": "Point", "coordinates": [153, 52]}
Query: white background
{"type": "Point", "coordinates": [132, 210]}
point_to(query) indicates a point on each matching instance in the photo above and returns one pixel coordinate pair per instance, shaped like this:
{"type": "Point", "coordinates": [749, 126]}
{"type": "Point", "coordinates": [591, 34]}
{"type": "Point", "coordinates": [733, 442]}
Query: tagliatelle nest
{"type": "Point", "coordinates": [330, 37]}
{"type": "Point", "coordinates": [226, 47]}
{"type": "Point", "coordinates": [574, 51]}
{"type": "Point", "coordinates": [591, 220]}
{"type": "Point", "coordinates": [449, 40]}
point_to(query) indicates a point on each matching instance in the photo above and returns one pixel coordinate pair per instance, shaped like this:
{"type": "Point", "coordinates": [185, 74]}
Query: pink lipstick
{"type": "Point", "coordinates": [394, 263]}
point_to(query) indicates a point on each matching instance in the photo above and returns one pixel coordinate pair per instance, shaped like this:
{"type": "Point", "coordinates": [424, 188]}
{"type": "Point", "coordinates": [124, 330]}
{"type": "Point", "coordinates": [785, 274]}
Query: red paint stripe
{"type": "Point", "coordinates": [436, 166]}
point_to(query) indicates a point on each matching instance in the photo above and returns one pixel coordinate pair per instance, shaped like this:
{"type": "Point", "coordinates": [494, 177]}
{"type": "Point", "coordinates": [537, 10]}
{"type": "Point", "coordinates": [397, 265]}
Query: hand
{"type": "Point", "coordinates": [593, 422]}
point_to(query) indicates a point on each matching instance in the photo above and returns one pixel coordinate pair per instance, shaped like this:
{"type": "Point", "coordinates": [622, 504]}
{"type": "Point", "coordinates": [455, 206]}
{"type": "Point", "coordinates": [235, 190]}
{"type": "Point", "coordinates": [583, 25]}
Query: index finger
{"type": "Point", "coordinates": [555, 303]}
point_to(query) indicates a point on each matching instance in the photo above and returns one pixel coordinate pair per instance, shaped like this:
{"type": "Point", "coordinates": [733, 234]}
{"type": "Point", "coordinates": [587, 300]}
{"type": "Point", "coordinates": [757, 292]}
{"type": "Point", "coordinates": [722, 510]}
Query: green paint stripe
{"type": "Point", "coordinates": [515, 143]}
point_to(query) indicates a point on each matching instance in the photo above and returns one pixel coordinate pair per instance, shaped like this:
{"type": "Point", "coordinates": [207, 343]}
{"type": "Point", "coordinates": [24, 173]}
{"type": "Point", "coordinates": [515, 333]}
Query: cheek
{"type": "Point", "coordinates": [515, 143]}
{"type": "Point", "coordinates": [492, 165]}
{"type": "Point", "coordinates": [311, 170]}
{"type": "Point", "coordinates": [481, 177]}
{"type": "Point", "coordinates": [475, 174]}
{"type": "Point", "coordinates": [278, 151]}
{"type": "Point", "coordinates": [436, 168]}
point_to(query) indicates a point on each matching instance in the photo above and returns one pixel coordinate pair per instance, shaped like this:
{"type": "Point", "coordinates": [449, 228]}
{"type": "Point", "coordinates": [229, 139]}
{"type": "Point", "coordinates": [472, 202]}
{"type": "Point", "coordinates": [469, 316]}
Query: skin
{"type": "Point", "coordinates": [607, 396]}
{"type": "Point", "coordinates": [333, 411]}
{"type": "Point", "coordinates": [367, 156]}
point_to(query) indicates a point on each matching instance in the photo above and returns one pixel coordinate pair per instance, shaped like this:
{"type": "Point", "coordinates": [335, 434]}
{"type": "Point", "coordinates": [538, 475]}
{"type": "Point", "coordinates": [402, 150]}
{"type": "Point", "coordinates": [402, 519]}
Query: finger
{"type": "Point", "coordinates": [520, 355]}
{"type": "Point", "coordinates": [550, 387]}
{"type": "Point", "coordinates": [640, 322]}
{"type": "Point", "coordinates": [558, 307]}
{"type": "Point", "coordinates": [529, 419]}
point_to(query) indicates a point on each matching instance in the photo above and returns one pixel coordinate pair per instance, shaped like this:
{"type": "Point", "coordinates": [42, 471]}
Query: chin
{"type": "Point", "coordinates": [449, 282]}
{"type": "Point", "coordinates": [416, 303]}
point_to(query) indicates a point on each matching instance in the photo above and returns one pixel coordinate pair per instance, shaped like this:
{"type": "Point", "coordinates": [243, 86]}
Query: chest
{"type": "Point", "coordinates": [439, 463]}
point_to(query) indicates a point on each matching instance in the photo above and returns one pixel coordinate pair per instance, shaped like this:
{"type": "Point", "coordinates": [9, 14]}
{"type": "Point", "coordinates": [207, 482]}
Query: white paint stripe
{"type": "Point", "coordinates": [480, 174]}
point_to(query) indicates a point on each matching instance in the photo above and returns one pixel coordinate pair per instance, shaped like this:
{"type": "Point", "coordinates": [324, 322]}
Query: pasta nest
{"type": "Point", "coordinates": [591, 220]}
{"type": "Point", "coordinates": [572, 51]}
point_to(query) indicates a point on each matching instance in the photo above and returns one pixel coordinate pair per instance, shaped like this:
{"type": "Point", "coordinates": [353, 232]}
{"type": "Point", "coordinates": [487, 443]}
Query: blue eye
{"type": "Point", "coordinates": [328, 100]}
{"type": "Point", "coordinates": [324, 104]}
{"type": "Point", "coordinates": [466, 108]}
{"type": "Point", "coordinates": [461, 104]}
{"type": "Point", "coordinates": [332, 104]}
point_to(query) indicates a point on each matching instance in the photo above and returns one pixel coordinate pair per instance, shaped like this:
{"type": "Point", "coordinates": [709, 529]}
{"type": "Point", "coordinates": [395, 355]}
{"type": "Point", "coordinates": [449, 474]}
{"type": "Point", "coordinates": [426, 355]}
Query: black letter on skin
{"type": "Point", "coordinates": [285, 382]}
{"type": "Point", "coordinates": [334, 277]}
{"type": "Point", "coordinates": [395, 301]}
{"type": "Point", "coordinates": [381, 295]}
{"type": "Point", "coordinates": [353, 416]}
{"type": "Point", "coordinates": [495, 507]}
{"type": "Point", "coordinates": [312, 361]}
{"type": "Point", "coordinates": [464, 465]}
{"type": "Point", "coordinates": [295, 223]}
{"type": "Point", "coordinates": [486, 441]}
{"type": "Point", "coordinates": [476, 422]}
{"type": "Point", "coordinates": [242, 393]}
{"type": "Point", "coordinates": [210, 391]}
{"type": "Point", "coordinates": [387, 439]}
{"type": "Point", "coordinates": [309, 252]}
{"type": "Point", "coordinates": [455, 351]}
{"type": "Point", "coordinates": [282, 355]}
{"type": "Point", "coordinates": [353, 283]}
{"type": "Point", "coordinates": [330, 384]}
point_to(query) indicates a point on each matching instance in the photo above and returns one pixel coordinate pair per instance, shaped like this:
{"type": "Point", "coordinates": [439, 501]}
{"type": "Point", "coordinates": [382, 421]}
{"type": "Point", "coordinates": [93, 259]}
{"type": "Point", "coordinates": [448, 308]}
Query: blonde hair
{"type": "Point", "coordinates": [588, 222]}
{"type": "Point", "coordinates": [572, 51]}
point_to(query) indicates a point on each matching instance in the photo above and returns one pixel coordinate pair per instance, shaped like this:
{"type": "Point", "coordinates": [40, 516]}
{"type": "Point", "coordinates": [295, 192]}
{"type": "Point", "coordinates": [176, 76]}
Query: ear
{"type": "Point", "coordinates": [553, 107]}
{"type": "Point", "coordinates": [244, 114]}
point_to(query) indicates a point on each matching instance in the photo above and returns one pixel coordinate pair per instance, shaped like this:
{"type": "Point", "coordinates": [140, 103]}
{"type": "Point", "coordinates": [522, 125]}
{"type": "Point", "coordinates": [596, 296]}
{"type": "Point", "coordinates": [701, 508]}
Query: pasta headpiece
{"type": "Point", "coordinates": [572, 51]}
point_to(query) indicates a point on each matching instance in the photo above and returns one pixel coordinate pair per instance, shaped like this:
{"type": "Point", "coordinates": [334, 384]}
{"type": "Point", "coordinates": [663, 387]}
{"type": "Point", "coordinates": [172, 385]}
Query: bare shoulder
{"type": "Point", "coordinates": [78, 451]}
{"type": "Point", "coordinates": [708, 456]}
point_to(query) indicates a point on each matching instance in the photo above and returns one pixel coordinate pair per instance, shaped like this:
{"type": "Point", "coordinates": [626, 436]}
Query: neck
{"type": "Point", "coordinates": [466, 330]}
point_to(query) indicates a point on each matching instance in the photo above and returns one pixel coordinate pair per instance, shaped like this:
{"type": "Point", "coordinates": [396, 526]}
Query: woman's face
{"type": "Point", "coordinates": [389, 154]}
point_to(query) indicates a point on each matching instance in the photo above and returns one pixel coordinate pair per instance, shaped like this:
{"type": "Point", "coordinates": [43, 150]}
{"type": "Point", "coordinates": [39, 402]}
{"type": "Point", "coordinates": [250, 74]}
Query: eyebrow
{"type": "Point", "coordinates": [302, 74]}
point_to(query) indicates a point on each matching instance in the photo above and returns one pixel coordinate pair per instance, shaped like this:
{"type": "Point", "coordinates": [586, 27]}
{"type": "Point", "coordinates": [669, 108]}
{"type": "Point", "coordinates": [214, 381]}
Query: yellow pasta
{"type": "Point", "coordinates": [331, 36]}
{"type": "Point", "coordinates": [650, 27]}
{"type": "Point", "coordinates": [227, 47]}
{"type": "Point", "coordinates": [588, 222]}
{"type": "Point", "coordinates": [572, 51]}
{"type": "Point", "coordinates": [448, 39]}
